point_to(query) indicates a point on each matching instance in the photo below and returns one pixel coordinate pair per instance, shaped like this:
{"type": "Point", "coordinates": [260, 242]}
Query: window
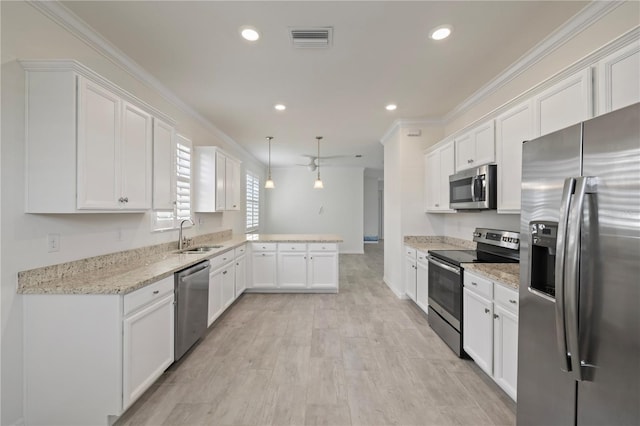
{"type": "Point", "coordinates": [253, 202]}
{"type": "Point", "coordinates": [165, 220]}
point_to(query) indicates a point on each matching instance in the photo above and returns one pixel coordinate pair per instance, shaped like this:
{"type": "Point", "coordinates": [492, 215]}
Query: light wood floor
{"type": "Point", "coordinates": [360, 357]}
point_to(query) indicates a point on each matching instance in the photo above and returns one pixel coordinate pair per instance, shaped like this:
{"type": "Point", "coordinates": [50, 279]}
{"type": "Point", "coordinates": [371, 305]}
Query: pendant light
{"type": "Point", "coordinates": [318, 183]}
{"type": "Point", "coordinates": [269, 183]}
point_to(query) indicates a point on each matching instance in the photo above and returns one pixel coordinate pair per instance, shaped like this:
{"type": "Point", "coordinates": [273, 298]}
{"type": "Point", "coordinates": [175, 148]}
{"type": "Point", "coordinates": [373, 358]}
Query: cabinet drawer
{"type": "Point", "coordinates": [479, 285]}
{"type": "Point", "coordinates": [221, 259]}
{"type": "Point", "coordinates": [506, 297]}
{"type": "Point", "coordinates": [299, 247]}
{"type": "Point", "coordinates": [148, 294]}
{"type": "Point", "coordinates": [263, 246]}
{"type": "Point", "coordinates": [241, 250]}
{"type": "Point", "coordinates": [410, 252]}
{"type": "Point", "coordinates": [323, 247]}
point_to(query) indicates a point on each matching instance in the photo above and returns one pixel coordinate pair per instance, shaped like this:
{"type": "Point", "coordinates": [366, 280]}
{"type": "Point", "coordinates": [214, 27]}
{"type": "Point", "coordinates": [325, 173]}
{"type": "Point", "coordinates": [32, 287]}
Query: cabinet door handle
{"type": "Point", "coordinates": [486, 311]}
{"type": "Point", "coordinates": [496, 316]}
{"type": "Point", "coordinates": [126, 199]}
{"type": "Point", "coordinates": [472, 283]}
{"type": "Point", "coordinates": [437, 205]}
{"type": "Point", "coordinates": [263, 254]}
{"type": "Point", "coordinates": [156, 292]}
{"type": "Point", "coordinates": [224, 272]}
{"type": "Point", "coordinates": [512, 301]}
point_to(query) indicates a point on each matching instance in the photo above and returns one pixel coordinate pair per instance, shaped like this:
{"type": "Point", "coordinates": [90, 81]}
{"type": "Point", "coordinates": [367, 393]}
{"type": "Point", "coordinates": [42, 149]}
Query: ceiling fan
{"type": "Point", "coordinates": [312, 165]}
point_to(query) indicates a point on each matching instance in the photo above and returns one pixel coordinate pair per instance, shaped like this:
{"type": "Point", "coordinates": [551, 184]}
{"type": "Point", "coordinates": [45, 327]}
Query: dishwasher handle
{"type": "Point", "coordinates": [186, 273]}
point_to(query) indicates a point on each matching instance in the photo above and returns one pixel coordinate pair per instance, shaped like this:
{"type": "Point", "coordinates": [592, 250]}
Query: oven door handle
{"type": "Point", "coordinates": [439, 264]}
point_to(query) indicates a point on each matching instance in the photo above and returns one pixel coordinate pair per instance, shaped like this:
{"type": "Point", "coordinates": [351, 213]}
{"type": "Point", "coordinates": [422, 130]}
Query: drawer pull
{"type": "Point", "coordinates": [156, 292]}
{"type": "Point", "coordinates": [224, 272]}
{"type": "Point", "coordinates": [486, 311]}
{"type": "Point", "coordinates": [512, 301]}
{"type": "Point", "coordinates": [496, 316]}
{"type": "Point", "coordinates": [263, 254]}
{"type": "Point", "coordinates": [472, 283]}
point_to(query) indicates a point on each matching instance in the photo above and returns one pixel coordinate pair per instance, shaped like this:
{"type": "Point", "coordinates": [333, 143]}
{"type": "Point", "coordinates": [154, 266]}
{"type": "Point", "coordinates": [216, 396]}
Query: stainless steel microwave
{"type": "Point", "coordinates": [473, 189]}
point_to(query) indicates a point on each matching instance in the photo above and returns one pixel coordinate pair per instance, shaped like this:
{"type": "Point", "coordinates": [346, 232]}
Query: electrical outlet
{"type": "Point", "coordinates": [53, 242]}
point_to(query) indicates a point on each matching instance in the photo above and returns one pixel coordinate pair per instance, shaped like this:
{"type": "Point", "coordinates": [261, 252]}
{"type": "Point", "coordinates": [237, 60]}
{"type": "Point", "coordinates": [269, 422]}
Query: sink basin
{"type": "Point", "coordinates": [199, 250]}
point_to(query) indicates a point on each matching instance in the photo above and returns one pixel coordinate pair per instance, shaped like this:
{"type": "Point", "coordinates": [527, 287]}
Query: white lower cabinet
{"type": "Point", "coordinates": [264, 264]}
{"type": "Point", "coordinates": [490, 324]}
{"type": "Point", "coordinates": [422, 281]}
{"type": "Point", "coordinates": [99, 351]}
{"type": "Point", "coordinates": [301, 267]}
{"type": "Point", "coordinates": [241, 275]}
{"type": "Point", "coordinates": [410, 272]}
{"type": "Point", "coordinates": [228, 284]}
{"type": "Point", "coordinates": [147, 346]}
{"type": "Point", "coordinates": [216, 306]}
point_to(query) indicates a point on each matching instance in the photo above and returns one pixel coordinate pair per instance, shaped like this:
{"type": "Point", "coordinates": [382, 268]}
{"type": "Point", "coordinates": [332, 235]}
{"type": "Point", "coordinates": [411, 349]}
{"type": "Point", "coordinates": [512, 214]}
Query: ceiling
{"type": "Point", "coordinates": [381, 53]}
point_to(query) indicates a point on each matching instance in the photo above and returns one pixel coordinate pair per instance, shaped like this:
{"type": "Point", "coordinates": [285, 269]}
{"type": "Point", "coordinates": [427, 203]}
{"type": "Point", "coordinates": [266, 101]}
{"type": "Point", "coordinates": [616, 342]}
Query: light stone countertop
{"type": "Point", "coordinates": [504, 273]}
{"type": "Point", "coordinates": [123, 278]}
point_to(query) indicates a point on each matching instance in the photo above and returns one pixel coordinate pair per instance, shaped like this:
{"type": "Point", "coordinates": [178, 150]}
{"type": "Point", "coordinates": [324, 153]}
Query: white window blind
{"type": "Point", "coordinates": [253, 202]}
{"type": "Point", "coordinates": [182, 209]}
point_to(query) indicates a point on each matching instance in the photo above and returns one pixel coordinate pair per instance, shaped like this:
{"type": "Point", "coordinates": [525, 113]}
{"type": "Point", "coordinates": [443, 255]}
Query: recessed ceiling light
{"type": "Point", "coordinates": [441, 32]}
{"type": "Point", "coordinates": [391, 107]}
{"type": "Point", "coordinates": [249, 33]}
{"type": "Point", "coordinates": [280, 107]}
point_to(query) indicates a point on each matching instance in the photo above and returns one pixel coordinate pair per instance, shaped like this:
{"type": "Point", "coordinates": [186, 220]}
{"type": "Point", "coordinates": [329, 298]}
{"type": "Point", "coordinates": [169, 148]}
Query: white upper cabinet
{"type": "Point", "coordinates": [512, 129]}
{"type": "Point", "coordinates": [619, 79]}
{"type": "Point", "coordinates": [164, 164]}
{"type": "Point", "coordinates": [216, 180]}
{"type": "Point", "coordinates": [563, 104]}
{"type": "Point", "coordinates": [88, 142]}
{"type": "Point", "coordinates": [476, 147]}
{"type": "Point", "coordinates": [438, 168]}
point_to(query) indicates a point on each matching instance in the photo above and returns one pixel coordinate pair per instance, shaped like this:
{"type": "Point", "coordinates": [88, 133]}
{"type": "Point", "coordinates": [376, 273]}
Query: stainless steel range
{"type": "Point", "coordinates": [446, 279]}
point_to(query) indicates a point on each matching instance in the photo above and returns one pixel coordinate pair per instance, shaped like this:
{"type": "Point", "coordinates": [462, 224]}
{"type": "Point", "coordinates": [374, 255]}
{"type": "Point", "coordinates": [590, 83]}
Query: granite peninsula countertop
{"type": "Point", "coordinates": [504, 273]}
{"type": "Point", "coordinates": [124, 272]}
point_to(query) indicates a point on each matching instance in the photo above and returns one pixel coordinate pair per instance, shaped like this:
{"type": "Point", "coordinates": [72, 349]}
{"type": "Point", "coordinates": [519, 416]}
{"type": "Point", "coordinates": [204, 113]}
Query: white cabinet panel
{"type": "Point", "coordinates": [512, 129]}
{"type": "Point", "coordinates": [136, 157]}
{"type": "Point", "coordinates": [410, 273]}
{"type": "Point", "coordinates": [216, 178]}
{"type": "Point", "coordinates": [567, 102]}
{"type": "Point", "coordinates": [241, 275]}
{"type": "Point", "coordinates": [228, 284]}
{"type": "Point", "coordinates": [439, 165]}
{"type": "Point", "coordinates": [216, 305]}
{"type": "Point", "coordinates": [221, 175]}
{"type": "Point", "coordinates": [476, 147]}
{"type": "Point", "coordinates": [478, 329]}
{"type": "Point", "coordinates": [505, 351]}
{"type": "Point", "coordinates": [232, 182]}
{"type": "Point", "coordinates": [98, 165]}
{"type": "Point", "coordinates": [323, 270]}
{"type": "Point", "coordinates": [619, 79]}
{"type": "Point", "coordinates": [263, 269]}
{"type": "Point", "coordinates": [164, 166]}
{"type": "Point", "coordinates": [422, 282]}
{"type": "Point", "coordinates": [147, 348]}
{"type": "Point", "coordinates": [292, 269]}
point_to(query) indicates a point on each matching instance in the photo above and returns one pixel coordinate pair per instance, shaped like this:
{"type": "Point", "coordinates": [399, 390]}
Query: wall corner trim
{"type": "Point", "coordinates": [64, 17]}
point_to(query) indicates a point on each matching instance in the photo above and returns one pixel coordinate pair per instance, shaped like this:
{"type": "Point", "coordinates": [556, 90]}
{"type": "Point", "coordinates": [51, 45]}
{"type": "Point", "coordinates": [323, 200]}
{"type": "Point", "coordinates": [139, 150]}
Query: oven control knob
{"type": "Point", "coordinates": [534, 229]}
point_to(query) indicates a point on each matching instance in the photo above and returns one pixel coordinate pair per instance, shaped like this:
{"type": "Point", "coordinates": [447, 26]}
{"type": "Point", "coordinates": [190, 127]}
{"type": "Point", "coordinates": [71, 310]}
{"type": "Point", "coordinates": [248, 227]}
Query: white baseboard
{"type": "Point", "coordinates": [398, 294]}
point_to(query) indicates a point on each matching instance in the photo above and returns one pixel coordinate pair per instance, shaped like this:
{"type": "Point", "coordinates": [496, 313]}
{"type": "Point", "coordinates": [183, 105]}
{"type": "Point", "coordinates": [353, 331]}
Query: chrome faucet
{"type": "Point", "coordinates": [184, 242]}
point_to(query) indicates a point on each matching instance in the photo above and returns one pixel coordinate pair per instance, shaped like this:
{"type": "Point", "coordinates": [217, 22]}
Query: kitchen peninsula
{"type": "Point", "coordinates": [100, 331]}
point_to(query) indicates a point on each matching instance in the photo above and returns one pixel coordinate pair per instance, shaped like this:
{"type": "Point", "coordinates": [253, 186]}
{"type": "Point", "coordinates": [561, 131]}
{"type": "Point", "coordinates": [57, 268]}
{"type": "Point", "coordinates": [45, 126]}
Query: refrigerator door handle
{"type": "Point", "coordinates": [583, 186]}
{"type": "Point", "coordinates": [561, 337]}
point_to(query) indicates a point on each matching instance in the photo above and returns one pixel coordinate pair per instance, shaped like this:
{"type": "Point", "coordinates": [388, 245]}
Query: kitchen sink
{"type": "Point", "coordinates": [199, 250]}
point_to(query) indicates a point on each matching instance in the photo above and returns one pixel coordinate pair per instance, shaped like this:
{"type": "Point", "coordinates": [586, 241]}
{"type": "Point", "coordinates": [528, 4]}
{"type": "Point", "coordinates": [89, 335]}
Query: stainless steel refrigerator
{"type": "Point", "coordinates": [579, 321]}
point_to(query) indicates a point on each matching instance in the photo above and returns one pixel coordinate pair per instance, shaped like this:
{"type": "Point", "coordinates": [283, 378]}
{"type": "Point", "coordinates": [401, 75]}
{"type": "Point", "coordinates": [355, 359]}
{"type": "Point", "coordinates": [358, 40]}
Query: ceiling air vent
{"type": "Point", "coordinates": [315, 37]}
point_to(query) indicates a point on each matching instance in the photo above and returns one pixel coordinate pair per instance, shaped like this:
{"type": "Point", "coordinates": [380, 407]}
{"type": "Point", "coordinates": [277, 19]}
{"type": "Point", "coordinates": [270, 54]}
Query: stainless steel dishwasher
{"type": "Point", "coordinates": [192, 303]}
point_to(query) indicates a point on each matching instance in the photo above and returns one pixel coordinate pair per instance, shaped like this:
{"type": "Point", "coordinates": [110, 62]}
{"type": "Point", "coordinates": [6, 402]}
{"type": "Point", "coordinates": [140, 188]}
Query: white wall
{"type": "Point", "coordinates": [294, 207]}
{"type": "Point", "coordinates": [371, 209]}
{"type": "Point", "coordinates": [404, 196]}
{"type": "Point", "coordinates": [27, 34]}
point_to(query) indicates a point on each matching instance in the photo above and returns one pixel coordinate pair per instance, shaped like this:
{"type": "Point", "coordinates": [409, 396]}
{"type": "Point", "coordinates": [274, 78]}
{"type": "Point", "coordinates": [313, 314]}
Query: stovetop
{"type": "Point", "coordinates": [456, 257]}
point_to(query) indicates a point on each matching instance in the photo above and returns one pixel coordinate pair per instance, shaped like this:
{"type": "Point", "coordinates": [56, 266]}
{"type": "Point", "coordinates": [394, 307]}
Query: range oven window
{"type": "Point", "coordinates": [445, 288]}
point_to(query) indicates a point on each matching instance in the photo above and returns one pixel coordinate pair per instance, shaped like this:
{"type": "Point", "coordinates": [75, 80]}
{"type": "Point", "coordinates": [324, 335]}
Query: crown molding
{"type": "Point", "coordinates": [402, 122]}
{"type": "Point", "coordinates": [575, 25]}
{"type": "Point", "coordinates": [71, 22]}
